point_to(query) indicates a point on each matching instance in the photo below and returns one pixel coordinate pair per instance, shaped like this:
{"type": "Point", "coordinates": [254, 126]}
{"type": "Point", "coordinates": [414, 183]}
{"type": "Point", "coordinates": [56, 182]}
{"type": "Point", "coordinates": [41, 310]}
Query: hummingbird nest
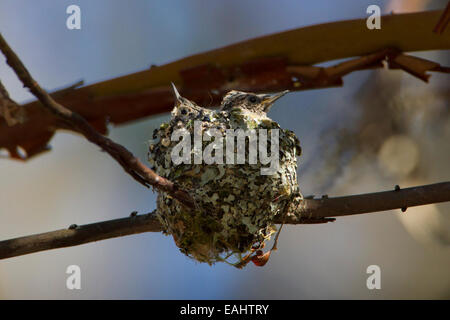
{"type": "Point", "coordinates": [235, 204]}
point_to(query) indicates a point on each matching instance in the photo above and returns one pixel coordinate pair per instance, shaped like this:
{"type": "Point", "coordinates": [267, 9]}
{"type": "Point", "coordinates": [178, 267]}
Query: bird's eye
{"type": "Point", "coordinates": [183, 111]}
{"type": "Point", "coordinates": [252, 99]}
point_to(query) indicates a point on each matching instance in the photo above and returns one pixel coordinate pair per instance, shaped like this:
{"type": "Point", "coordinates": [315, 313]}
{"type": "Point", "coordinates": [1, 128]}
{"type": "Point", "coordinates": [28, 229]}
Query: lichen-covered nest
{"type": "Point", "coordinates": [235, 203]}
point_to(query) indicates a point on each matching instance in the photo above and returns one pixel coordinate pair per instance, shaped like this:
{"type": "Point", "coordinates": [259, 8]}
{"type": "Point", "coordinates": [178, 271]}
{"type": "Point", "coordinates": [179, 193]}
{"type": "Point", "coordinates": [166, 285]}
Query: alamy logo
{"type": "Point", "coordinates": [74, 20]}
{"type": "Point", "coordinates": [374, 280]}
{"type": "Point", "coordinates": [374, 20]}
{"type": "Point", "coordinates": [214, 154]}
{"type": "Point", "coordinates": [74, 280]}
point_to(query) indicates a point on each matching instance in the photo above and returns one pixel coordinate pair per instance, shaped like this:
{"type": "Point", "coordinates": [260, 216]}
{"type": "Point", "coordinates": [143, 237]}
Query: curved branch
{"type": "Point", "coordinates": [273, 62]}
{"type": "Point", "coordinates": [76, 122]}
{"type": "Point", "coordinates": [310, 211]}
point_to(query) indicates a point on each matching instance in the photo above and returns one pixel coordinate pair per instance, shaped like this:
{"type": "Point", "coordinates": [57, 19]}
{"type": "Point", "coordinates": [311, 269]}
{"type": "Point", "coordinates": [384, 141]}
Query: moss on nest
{"type": "Point", "coordinates": [235, 203]}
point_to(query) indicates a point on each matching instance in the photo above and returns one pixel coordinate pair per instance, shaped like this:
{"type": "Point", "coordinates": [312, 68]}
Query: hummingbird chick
{"type": "Point", "coordinates": [257, 103]}
{"type": "Point", "coordinates": [235, 203]}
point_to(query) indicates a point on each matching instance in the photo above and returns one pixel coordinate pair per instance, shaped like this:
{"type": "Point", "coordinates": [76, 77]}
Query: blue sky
{"type": "Point", "coordinates": [75, 183]}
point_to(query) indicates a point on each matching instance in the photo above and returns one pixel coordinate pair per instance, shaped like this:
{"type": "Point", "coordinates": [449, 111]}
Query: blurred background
{"type": "Point", "coordinates": [382, 128]}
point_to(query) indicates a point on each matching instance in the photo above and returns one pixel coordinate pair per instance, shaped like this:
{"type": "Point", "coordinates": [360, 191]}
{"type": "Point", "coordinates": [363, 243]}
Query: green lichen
{"type": "Point", "coordinates": [235, 204]}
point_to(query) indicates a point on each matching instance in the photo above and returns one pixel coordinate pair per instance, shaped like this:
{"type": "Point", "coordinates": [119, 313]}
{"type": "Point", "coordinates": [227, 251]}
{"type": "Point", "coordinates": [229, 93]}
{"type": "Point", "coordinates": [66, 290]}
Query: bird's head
{"type": "Point", "coordinates": [184, 108]}
{"type": "Point", "coordinates": [259, 103]}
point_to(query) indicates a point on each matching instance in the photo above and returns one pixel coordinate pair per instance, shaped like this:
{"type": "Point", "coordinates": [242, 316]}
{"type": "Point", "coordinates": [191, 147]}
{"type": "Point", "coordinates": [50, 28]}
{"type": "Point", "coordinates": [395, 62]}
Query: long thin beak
{"type": "Point", "coordinates": [178, 97]}
{"type": "Point", "coordinates": [269, 99]}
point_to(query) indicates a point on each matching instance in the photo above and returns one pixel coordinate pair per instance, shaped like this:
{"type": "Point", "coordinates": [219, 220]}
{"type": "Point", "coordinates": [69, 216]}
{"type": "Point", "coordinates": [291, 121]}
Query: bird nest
{"type": "Point", "coordinates": [235, 204]}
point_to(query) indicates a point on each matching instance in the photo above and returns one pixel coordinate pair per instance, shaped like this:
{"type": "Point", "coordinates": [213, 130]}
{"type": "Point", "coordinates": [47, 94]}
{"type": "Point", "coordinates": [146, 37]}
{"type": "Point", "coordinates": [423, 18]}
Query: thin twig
{"type": "Point", "coordinates": [132, 165]}
{"type": "Point", "coordinates": [310, 211]}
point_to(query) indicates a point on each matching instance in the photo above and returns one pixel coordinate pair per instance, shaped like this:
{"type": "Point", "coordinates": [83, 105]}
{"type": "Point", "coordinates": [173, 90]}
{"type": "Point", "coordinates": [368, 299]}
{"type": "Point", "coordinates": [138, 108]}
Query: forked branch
{"type": "Point", "coordinates": [132, 165]}
{"type": "Point", "coordinates": [309, 211]}
{"type": "Point", "coordinates": [282, 61]}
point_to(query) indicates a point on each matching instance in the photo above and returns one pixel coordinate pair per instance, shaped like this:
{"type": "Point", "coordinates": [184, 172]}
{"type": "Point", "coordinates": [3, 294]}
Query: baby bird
{"type": "Point", "coordinates": [257, 103]}
{"type": "Point", "coordinates": [185, 109]}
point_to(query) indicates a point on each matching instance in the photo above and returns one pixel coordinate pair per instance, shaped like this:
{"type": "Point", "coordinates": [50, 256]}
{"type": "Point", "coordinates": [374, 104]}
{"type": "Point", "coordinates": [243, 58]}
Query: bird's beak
{"type": "Point", "coordinates": [269, 99]}
{"type": "Point", "coordinates": [178, 97]}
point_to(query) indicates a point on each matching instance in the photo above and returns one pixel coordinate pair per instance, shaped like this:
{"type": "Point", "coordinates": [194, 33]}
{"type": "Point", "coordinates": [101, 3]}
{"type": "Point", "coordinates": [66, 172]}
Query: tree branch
{"type": "Point", "coordinates": [371, 202]}
{"type": "Point", "coordinates": [9, 109]}
{"type": "Point", "coordinates": [132, 165]}
{"type": "Point", "coordinates": [270, 63]}
{"type": "Point", "coordinates": [310, 211]}
{"type": "Point", "coordinates": [76, 235]}
{"type": "Point", "coordinates": [292, 68]}
{"type": "Point", "coordinates": [443, 20]}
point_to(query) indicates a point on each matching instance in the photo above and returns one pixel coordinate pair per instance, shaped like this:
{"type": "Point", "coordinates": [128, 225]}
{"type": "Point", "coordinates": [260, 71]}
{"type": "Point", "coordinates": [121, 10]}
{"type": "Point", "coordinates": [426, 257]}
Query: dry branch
{"type": "Point", "coordinates": [443, 20]}
{"type": "Point", "coordinates": [74, 121]}
{"type": "Point", "coordinates": [9, 109]}
{"type": "Point", "coordinates": [258, 65]}
{"type": "Point", "coordinates": [76, 235]}
{"type": "Point", "coordinates": [371, 202]}
{"type": "Point", "coordinates": [246, 66]}
{"type": "Point", "coordinates": [310, 211]}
